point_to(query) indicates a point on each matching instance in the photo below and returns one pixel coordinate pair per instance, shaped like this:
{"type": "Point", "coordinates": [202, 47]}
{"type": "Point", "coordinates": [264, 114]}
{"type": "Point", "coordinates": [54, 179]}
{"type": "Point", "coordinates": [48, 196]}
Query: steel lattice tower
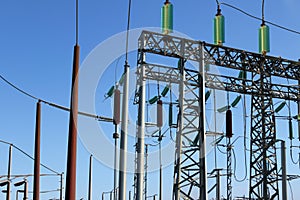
{"type": "Point", "coordinates": [189, 168]}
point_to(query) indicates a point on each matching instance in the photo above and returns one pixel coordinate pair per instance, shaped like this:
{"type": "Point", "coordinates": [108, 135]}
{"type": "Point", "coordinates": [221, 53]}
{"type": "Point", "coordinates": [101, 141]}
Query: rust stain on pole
{"type": "Point", "coordinates": [72, 141]}
{"type": "Point", "coordinates": [36, 176]}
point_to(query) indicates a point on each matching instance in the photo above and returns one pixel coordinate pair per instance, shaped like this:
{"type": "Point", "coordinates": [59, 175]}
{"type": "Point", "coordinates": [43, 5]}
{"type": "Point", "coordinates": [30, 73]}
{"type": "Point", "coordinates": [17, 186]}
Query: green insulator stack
{"type": "Point", "coordinates": [167, 18]}
{"type": "Point", "coordinates": [219, 29]}
{"type": "Point", "coordinates": [264, 39]}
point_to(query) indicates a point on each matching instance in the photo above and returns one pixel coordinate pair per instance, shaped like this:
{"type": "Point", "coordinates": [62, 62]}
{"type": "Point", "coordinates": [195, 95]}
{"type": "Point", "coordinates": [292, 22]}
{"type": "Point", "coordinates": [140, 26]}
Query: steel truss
{"type": "Point", "coordinates": [190, 172]}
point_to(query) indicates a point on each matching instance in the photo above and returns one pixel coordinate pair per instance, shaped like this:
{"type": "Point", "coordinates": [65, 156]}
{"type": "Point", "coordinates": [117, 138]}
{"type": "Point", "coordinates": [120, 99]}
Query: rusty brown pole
{"type": "Point", "coordinates": [72, 141]}
{"type": "Point", "coordinates": [70, 192]}
{"type": "Point", "coordinates": [36, 176]}
{"type": "Point", "coordinates": [8, 173]}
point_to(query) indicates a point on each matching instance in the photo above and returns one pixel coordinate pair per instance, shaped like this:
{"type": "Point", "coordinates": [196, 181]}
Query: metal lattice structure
{"type": "Point", "coordinates": [190, 168]}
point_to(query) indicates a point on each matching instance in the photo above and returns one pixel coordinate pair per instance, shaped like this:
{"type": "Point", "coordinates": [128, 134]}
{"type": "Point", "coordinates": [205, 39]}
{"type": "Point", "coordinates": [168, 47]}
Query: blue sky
{"type": "Point", "coordinates": [37, 39]}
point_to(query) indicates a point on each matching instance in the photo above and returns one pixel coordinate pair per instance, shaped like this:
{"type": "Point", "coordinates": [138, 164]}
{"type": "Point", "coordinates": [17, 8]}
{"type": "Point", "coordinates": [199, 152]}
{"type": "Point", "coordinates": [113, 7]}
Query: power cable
{"type": "Point", "coordinates": [29, 156]}
{"type": "Point", "coordinates": [254, 17]}
{"type": "Point", "coordinates": [234, 168]}
{"type": "Point", "coordinates": [100, 118]}
{"type": "Point", "coordinates": [291, 189]}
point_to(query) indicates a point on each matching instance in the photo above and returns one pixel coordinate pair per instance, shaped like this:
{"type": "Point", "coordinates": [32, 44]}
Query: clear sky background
{"type": "Point", "coordinates": [36, 52]}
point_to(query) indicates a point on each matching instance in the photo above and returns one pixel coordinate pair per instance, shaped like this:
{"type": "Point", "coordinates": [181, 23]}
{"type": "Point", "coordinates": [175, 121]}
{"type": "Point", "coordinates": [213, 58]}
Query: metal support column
{"type": "Point", "coordinates": [90, 178]}
{"type": "Point", "coordinates": [229, 172]}
{"type": "Point", "coordinates": [123, 139]}
{"type": "Point", "coordinates": [141, 135]}
{"type": "Point", "coordinates": [178, 152]}
{"type": "Point", "coordinates": [263, 164]}
{"type": "Point", "coordinates": [36, 181]}
{"type": "Point", "coordinates": [202, 128]}
{"type": "Point", "coordinates": [9, 172]}
{"type": "Point", "coordinates": [283, 169]}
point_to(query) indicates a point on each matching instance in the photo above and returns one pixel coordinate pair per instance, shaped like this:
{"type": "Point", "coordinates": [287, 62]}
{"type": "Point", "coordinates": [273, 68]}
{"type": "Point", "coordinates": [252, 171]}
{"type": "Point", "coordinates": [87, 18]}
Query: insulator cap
{"type": "Point", "coordinates": [228, 123]}
{"type": "Point", "coordinates": [159, 113]}
{"type": "Point", "coordinates": [116, 118]}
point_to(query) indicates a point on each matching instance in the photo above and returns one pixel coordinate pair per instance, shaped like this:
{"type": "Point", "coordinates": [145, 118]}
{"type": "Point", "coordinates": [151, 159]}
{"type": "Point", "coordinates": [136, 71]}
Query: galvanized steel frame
{"type": "Point", "coordinates": [263, 136]}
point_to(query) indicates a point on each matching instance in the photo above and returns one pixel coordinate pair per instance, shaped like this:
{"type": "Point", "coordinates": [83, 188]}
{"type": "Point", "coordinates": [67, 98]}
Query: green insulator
{"type": "Point", "coordinates": [279, 108]}
{"type": "Point", "coordinates": [110, 91]}
{"type": "Point", "coordinates": [170, 114]}
{"type": "Point", "coordinates": [219, 29]}
{"type": "Point", "coordinates": [153, 100]}
{"type": "Point", "coordinates": [167, 18]}
{"type": "Point", "coordinates": [223, 109]}
{"type": "Point", "coordinates": [236, 101]}
{"type": "Point", "coordinates": [291, 129]}
{"type": "Point", "coordinates": [207, 95]}
{"type": "Point", "coordinates": [165, 91]}
{"type": "Point", "coordinates": [264, 39]}
{"type": "Point", "coordinates": [243, 75]}
{"type": "Point", "coordinates": [121, 81]}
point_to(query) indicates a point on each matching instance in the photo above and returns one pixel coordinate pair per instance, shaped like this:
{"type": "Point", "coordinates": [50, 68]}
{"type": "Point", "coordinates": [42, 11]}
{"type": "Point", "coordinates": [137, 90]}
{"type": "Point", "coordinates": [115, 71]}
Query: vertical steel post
{"type": "Point", "coordinates": [8, 173]}
{"type": "Point", "coordinates": [218, 186]}
{"type": "Point", "coordinates": [176, 188]}
{"type": "Point", "coordinates": [283, 169]}
{"type": "Point", "coordinates": [115, 136]}
{"type": "Point", "coordinates": [61, 186]}
{"type": "Point", "coordinates": [123, 139]}
{"type": "Point", "coordinates": [36, 178]}
{"type": "Point", "coordinates": [72, 138]}
{"type": "Point", "coordinates": [72, 141]}
{"type": "Point", "coordinates": [146, 170]}
{"type": "Point", "coordinates": [141, 136]}
{"type": "Point", "coordinates": [90, 178]}
{"type": "Point", "coordinates": [203, 175]}
{"type": "Point", "coordinates": [229, 173]}
{"type": "Point", "coordinates": [26, 190]}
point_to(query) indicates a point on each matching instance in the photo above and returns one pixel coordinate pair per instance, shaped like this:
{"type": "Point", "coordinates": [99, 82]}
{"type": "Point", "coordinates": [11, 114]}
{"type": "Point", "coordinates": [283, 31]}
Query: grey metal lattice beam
{"type": "Point", "coordinates": [264, 177]}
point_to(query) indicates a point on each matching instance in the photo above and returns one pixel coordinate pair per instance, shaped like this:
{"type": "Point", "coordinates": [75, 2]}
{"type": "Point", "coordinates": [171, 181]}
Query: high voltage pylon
{"type": "Point", "coordinates": [190, 167]}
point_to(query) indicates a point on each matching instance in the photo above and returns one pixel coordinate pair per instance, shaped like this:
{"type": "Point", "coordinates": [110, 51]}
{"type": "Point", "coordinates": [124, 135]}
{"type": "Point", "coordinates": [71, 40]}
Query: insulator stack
{"type": "Point", "coordinates": [236, 101]}
{"type": "Point", "coordinates": [165, 91]}
{"type": "Point", "coordinates": [153, 100]}
{"type": "Point", "coordinates": [228, 123]}
{"type": "Point", "coordinates": [170, 114]}
{"type": "Point", "coordinates": [117, 102]}
{"type": "Point", "coordinates": [264, 39]}
{"type": "Point", "coordinates": [279, 108]}
{"type": "Point", "coordinates": [167, 18]}
{"type": "Point", "coordinates": [110, 91]}
{"type": "Point", "coordinates": [159, 114]}
{"type": "Point", "coordinates": [291, 129]}
{"type": "Point", "coordinates": [219, 29]}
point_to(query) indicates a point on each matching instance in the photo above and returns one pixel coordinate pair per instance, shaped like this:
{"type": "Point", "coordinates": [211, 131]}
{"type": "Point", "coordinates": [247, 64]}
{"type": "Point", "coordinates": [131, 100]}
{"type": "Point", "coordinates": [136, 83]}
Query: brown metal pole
{"type": "Point", "coordinates": [90, 178]}
{"type": "Point", "coordinates": [36, 176]}
{"type": "Point", "coordinates": [72, 142]}
{"type": "Point", "coordinates": [8, 173]}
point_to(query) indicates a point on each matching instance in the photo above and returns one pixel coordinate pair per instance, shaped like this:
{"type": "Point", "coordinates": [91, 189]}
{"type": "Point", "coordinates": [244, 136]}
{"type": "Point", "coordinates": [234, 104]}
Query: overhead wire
{"type": "Point", "coordinates": [234, 168]}
{"type": "Point", "coordinates": [100, 118]}
{"type": "Point", "coordinates": [29, 156]}
{"type": "Point", "coordinates": [257, 18]}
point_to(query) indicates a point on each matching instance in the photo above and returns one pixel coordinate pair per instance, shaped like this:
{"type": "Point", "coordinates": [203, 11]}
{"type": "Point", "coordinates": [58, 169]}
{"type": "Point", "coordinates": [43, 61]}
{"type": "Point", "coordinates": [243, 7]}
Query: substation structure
{"type": "Point", "coordinates": [190, 174]}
